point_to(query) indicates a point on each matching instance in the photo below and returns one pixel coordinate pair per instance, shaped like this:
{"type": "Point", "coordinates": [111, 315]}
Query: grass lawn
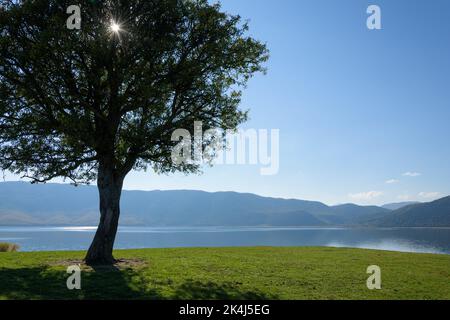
{"type": "Point", "coordinates": [229, 273]}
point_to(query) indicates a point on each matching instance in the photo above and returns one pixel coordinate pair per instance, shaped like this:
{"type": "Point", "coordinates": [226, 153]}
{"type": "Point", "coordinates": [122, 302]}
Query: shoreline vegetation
{"type": "Point", "coordinates": [292, 273]}
{"type": "Point", "coordinates": [9, 247]}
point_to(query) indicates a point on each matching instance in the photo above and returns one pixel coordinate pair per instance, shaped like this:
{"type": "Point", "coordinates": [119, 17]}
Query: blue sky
{"type": "Point", "coordinates": [356, 108]}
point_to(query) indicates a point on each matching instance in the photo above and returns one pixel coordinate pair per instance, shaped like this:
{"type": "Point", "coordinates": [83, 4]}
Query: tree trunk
{"type": "Point", "coordinates": [110, 188]}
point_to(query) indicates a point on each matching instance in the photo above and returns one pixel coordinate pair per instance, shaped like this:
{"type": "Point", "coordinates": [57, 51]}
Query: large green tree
{"type": "Point", "coordinates": [97, 102]}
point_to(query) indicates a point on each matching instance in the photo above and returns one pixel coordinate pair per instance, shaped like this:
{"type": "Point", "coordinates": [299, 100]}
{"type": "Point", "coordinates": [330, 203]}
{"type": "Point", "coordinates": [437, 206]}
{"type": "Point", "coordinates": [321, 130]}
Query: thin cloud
{"type": "Point", "coordinates": [412, 174]}
{"type": "Point", "coordinates": [404, 197]}
{"type": "Point", "coordinates": [392, 181]}
{"type": "Point", "coordinates": [367, 196]}
{"type": "Point", "coordinates": [430, 195]}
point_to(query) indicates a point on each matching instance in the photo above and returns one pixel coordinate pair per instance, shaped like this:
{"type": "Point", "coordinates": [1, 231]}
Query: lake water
{"type": "Point", "coordinates": [430, 240]}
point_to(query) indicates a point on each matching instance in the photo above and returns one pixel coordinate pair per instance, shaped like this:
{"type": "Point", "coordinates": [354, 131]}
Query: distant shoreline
{"type": "Point", "coordinates": [216, 226]}
{"type": "Point", "coordinates": [425, 240]}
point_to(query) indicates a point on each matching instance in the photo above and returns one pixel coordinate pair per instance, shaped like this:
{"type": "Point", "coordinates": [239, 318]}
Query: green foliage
{"type": "Point", "coordinates": [229, 273]}
{"type": "Point", "coordinates": [8, 247]}
{"type": "Point", "coordinates": [71, 99]}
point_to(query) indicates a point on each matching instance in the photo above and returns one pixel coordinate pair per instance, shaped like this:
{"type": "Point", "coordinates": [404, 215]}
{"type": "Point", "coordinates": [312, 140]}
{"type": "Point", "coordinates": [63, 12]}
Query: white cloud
{"type": "Point", "coordinates": [412, 174]}
{"type": "Point", "coordinates": [429, 195]}
{"type": "Point", "coordinates": [370, 195]}
{"type": "Point", "coordinates": [392, 181]}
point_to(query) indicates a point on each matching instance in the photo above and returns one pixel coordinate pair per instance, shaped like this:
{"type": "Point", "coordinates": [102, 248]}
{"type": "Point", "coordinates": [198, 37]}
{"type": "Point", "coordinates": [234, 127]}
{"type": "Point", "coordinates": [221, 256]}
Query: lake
{"type": "Point", "coordinates": [425, 240]}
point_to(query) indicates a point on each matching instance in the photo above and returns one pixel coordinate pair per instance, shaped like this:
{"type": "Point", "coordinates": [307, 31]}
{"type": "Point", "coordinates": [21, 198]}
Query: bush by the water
{"type": "Point", "coordinates": [8, 247]}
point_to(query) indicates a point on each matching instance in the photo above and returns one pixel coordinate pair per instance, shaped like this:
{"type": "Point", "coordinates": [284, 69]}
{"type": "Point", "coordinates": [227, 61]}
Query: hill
{"type": "Point", "coordinates": [352, 213]}
{"type": "Point", "coordinates": [62, 204]}
{"type": "Point", "coordinates": [431, 214]}
{"type": "Point", "coordinates": [398, 205]}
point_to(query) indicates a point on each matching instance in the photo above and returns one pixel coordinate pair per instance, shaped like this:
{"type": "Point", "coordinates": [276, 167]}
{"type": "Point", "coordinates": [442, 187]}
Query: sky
{"type": "Point", "coordinates": [363, 115]}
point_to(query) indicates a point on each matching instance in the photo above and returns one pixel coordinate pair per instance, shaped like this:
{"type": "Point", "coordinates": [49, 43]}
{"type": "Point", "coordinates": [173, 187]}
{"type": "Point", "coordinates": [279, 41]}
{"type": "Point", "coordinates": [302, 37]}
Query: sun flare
{"type": "Point", "coordinates": [115, 27]}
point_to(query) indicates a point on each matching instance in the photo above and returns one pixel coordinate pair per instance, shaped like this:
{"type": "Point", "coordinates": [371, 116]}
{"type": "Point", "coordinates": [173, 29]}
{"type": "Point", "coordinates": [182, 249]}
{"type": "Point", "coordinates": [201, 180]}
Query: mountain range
{"type": "Point", "coordinates": [62, 204]}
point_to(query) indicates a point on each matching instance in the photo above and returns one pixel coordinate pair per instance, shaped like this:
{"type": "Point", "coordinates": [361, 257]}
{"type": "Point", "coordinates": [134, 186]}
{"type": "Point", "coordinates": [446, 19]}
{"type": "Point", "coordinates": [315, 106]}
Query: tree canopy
{"type": "Point", "coordinates": [73, 99]}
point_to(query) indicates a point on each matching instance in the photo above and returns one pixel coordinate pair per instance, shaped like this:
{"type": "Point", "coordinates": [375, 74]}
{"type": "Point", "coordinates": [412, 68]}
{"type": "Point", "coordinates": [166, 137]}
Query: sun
{"type": "Point", "coordinates": [115, 27]}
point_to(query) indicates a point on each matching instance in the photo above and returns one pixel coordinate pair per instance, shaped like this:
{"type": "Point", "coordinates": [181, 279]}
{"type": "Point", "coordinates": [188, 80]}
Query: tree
{"type": "Point", "coordinates": [97, 102]}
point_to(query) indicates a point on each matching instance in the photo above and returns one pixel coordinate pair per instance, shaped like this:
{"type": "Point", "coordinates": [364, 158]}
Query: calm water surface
{"type": "Point", "coordinates": [430, 240]}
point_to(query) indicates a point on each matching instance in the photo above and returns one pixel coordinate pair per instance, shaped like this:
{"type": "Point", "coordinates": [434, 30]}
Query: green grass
{"type": "Point", "coordinates": [229, 273]}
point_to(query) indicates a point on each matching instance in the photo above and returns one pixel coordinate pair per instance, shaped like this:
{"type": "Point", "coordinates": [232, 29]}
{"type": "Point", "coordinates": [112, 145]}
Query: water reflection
{"type": "Point", "coordinates": [430, 240]}
{"type": "Point", "coordinates": [389, 245]}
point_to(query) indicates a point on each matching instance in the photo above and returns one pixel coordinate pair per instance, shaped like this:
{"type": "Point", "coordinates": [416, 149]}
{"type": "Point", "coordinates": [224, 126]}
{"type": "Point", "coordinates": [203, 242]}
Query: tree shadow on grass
{"type": "Point", "coordinates": [50, 283]}
{"type": "Point", "coordinates": [111, 283]}
{"type": "Point", "coordinates": [197, 290]}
